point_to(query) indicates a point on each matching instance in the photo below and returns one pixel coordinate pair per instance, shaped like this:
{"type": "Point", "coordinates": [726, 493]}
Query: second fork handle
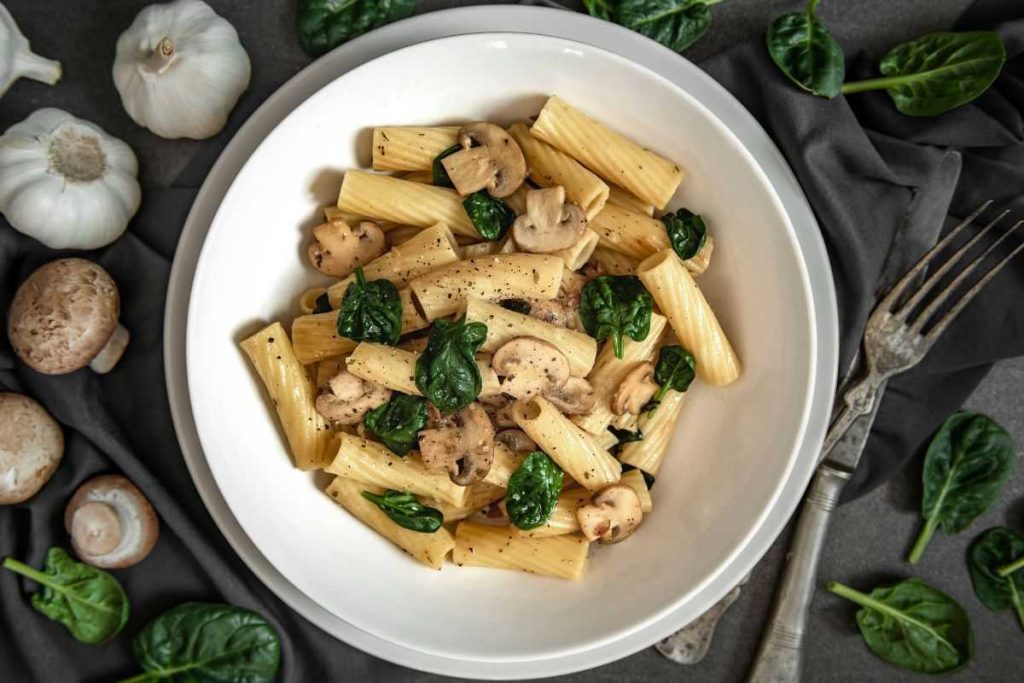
{"type": "Point", "coordinates": [778, 658]}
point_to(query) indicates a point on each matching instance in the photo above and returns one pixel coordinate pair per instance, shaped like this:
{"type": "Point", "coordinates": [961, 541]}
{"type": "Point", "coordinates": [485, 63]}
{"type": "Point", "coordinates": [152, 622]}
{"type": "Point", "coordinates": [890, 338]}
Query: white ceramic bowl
{"type": "Point", "coordinates": [734, 448]}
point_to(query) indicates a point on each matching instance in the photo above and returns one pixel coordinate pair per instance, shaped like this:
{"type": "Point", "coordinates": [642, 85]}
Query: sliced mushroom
{"type": "Point", "coordinates": [612, 515]}
{"type": "Point", "coordinates": [499, 409]}
{"type": "Point", "coordinates": [489, 159]}
{"type": "Point", "coordinates": [517, 440]}
{"type": "Point", "coordinates": [530, 366]}
{"type": "Point", "coordinates": [636, 389]}
{"type": "Point", "coordinates": [111, 523]}
{"type": "Point", "coordinates": [31, 447]}
{"type": "Point", "coordinates": [575, 397]}
{"type": "Point", "coordinates": [349, 398]}
{"type": "Point", "coordinates": [464, 448]}
{"type": "Point", "coordinates": [550, 224]}
{"type": "Point", "coordinates": [338, 248]}
{"type": "Point", "coordinates": [551, 311]}
{"type": "Point", "coordinates": [64, 317]}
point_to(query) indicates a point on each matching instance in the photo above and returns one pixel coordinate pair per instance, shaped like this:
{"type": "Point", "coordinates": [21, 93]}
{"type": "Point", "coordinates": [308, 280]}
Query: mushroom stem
{"type": "Point", "coordinates": [96, 528]}
{"type": "Point", "coordinates": [161, 58]}
{"type": "Point", "coordinates": [31, 65]}
{"type": "Point", "coordinates": [107, 358]}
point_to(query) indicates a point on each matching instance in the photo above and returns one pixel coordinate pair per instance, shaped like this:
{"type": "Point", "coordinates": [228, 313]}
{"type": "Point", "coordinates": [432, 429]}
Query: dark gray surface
{"type": "Point", "coordinates": [870, 536]}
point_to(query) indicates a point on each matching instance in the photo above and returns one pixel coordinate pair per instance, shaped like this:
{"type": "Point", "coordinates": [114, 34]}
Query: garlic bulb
{"type": "Point", "coordinates": [17, 59]}
{"type": "Point", "coordinates": [180, 69]}
{"type": "Point", "coordinates": [66, 182]}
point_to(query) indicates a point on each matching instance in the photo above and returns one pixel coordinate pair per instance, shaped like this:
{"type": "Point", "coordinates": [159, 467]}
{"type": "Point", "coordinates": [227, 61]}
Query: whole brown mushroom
{"type": "Point", "coordinates": [65, 316]}
{"type": "Point", "coordinates": [31, 447]}
{"type": "Point", "coordinates": [111, 523]}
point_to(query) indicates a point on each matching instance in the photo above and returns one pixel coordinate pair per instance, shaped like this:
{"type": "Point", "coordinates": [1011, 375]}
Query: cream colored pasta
{"type": "Point", "coordinates": [424, 177]}
{"type": "Point", "coordinates": [613, 262]}
{"type": "Point", "coordinates": [576, 256]}
{"type": "Point", "coordinates": [634, 234]}
{"type": "Point", "coordinates": [609, 372]}
{"type": "Point", "coordinates": [635, 480]}
{"type": "Point", "coordinates": [293, 394]}
{"type": "Point", "coordinates": [607, 153]}
{"type": "Point", "coordinates": [327, 369]}
{"type": "Point", "coordinates": [657, 427]}
{"type": "Point", "coordinates": [478, 495]}
{"type": "Point", "coordinates": [373, 463]}
{"type": "Point", "coordinates": [333, 213]}
{"type": "Point", "coordinates": [481, 249]}
{"type": "Point", "coordinates": [395, 368]}
{"type": "Point", "coordinates": [307, 300]}
{"type": "Point", "coordinates": [505, 463]}
{"type": "Point", "coordinates": [517, 200]}
{"type": "Point", "coordinates": [550, 167]}
{"type": "Point", "coordinates": [432, 248]}
{"type": "Point", "coordinates": [504, 325]}
{"type": "Point", "coordinates": [410, 148]}
{"type": "Point", "coordinates": [429, 549]}
{"type": "Point", "coordinates": [605, 439]}
{"type": "Point", "coordinates": [575, 451]}
{"type": "Point", "coordinates": [444, 291]}
{"type": "Point", "coordinates": [479, 545]}
{"type": "Point", "coordinates": [316, 337]}
{"type": "Point", "coordinates": [700, 261]}
{"type": "Point", "coordinates": [403, 202]}
{"type": "Point", "coordinates": [563, 516]}
{"type": "Point", "coordinates": [692, 319]}
{"type": "Point", "coordinates": [617, 195]}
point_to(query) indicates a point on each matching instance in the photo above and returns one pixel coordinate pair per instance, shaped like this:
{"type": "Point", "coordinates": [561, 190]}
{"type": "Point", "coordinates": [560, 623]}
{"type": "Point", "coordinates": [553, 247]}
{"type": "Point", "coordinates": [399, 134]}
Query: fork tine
{"type": "Point", "coordinates": [943, 322]}
{"type": "Point", "coordinates": [933, 278]}
{"type": "Point", "coordinates": [900, 287]}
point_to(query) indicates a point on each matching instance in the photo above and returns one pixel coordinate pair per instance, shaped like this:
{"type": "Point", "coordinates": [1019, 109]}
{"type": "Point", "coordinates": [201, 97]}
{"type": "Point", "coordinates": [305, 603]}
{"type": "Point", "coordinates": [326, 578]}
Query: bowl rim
{"type": "Point", "coordinates": [193, 236]}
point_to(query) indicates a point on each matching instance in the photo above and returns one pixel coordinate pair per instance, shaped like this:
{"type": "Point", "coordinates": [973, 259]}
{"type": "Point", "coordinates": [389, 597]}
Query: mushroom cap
{"type": "Point", "coordinates": [636, 389]}
{"type": "Point", "coordinates": [612, 515]}
{"type": "Point", "coordinates": [350, 398]}
{"type": "Point", "coordinates": [31, 447]}
{"type": "Point", "coordinates": [110, 511]}
{"type": "Point", "coordinates": [549, 224]}
{"type": "Point", "coordinates": [463, 445]}
{"type": "Point", "coordinates": [338, 248]}
{"type": "Point", "coordinates": [575, 397]}
{"type": "Point", "coordinates": [509, 162]}
{"type": "Point", "coordinates": [516, 439]}
{"type": "Point", "coordinates": [63, 315]}
{"type": "Point", "coordinates": [530, 366]}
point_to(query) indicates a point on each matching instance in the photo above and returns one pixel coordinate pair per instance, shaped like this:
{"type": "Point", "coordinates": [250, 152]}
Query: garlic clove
{"type": "Point", "coordinates": [17, 59]}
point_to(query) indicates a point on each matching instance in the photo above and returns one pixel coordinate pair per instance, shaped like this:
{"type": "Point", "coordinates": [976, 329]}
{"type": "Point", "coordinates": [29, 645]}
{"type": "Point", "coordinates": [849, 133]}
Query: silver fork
{"type": "Point", "coordinates": [899, 332]}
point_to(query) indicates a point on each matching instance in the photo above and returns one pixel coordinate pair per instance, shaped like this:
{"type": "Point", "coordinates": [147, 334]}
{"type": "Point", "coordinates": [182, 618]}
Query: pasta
{"type": "Point", "coordinates": [410, 148]}
{"type": "Point", "coordinates": [610, 155]}
{"type": "Point", "coordinates": [292, 391]}
{"type": "Point", "coordinates": [401, 201]}
{"type": "Point", "coordinates": [396, 368]}
{"type": "Point", "coordinates": [656, 427]}
{"type": "Point", "coordinates": [505, 463]}
{"type": "Point", "coordinates": [620, 197]}
{"type": "Point", "coordinates": [576, 256]}
{"type": "Point", "coordinates": [630, 233]}
{"type": "Point", "coordinates": [428, 549]}
{"type": "Point", "coordinates": [478, 545]}
{"type": "Point", "coordinates": [692, 319]}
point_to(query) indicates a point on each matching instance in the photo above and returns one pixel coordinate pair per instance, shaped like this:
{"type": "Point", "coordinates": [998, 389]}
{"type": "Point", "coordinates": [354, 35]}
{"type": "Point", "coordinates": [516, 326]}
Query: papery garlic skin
{"type": "Point", "coordinates": [17, 59]}
{"type": "Point", "coordinates": [180, 69]}
{"type": "Point", "coordinates": [66, 182]}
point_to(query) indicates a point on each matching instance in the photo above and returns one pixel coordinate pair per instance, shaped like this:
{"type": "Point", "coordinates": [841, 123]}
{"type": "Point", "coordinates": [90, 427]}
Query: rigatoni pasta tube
{"type": "Point", "coordinates": [504, 464]}
{"type": "Point", "coordinates": [563, 516]}
{"type": "Point", "coordinates": [479, 495]}
{"type": "Point", "coordinates": [293, 393]}
{"type": "Point", "coordinates": [572, 449]}
{"type": "Point", "coordinates": [693, 321]}
{"type": "Point", "coordinates": [429, 549]}
{"type": "Point", "coordinates": [657, 428]}
{"type": "Point", "coordinates": [607, 153]}
{"type": "Point", "coordinates": [616, 195]}
{"type": "Point", "coordinates": [628, 232]}
{"type": "Point", "coordinates": [392, 199]}
{"type": "Point", "coordinates": [549, 167]}
{"type": "Point", "coordinates": [479, 545]}
{"type": "Point", "coordinates": [373, 463]}
{"type": "Point", "coordinates": [609, 371]}
{"type": "Point", "coordinates": [395, 369]}
{"type": "Point", "coordinates": [307, 300]}
{"type": "Point", "coordinates": [576, 256]}
{"type": "Point", "coordinates": [635, 480]}
{"type": "Point", "coordinates": [613, 262]}
{"type": "Point", "coordinates": [504, 325]}
{"type": "Point", "coordinates": [432, 248]}
{"type": "Point", "coordinates": [445, 290]}
{"type": "Point", "coordinates": [410, 148]}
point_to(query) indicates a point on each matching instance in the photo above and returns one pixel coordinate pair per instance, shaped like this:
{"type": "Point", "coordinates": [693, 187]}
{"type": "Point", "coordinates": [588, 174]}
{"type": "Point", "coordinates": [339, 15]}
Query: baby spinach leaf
{"type": "Point", "coordinates": [446, 371]}
{"type": "Point", "coordinates": [491, 216]}
{"type": "Point", "coordinates": [371, 311]}
{"type": "Point", "coordinates": [397, 422]}
{"type": "Point", "coordinates": [602, 9]}
{"type": "Point", "coordinates": [967, 463]}
{"type": "Point", "coordinates": [912, 625]}
{"type": "Point", "coordinates": [516, 305]}
{"type": "Point", "coordinates": [676, 24]}
{"type": "Point", "coordinates": [322, 304]}
{"type": "Point", "coordinates": [937, 72]}
{"type": "Point", "coordinates": [407, 512]}
{"type": "Point", "coordinates": [533, 490]}
{"type": "Point", "coordinates": [674, 371]}
{"type": "Point", "coordinates": [624, 436]}
{"type": "Point", "coordinates": [648, 477]}
{"type": "Point", "coordinates": [686, 231]}
{"type": "Point", "coordinates": [992, 550]}
{"type": "Point", "coordinates": [1012, 567]}
{"type": "Point", "coordinates": [437, 170]}
{"type": "Point", "coordinates": [802, 47]}
{"type": "Point", "coordinates": [199, 642]}
{"type": "Point", "coordinates": [326, 24]}
{"type": "Point", "coordinates": [616, 305]}
{"type": "Point", "coordinates": [88, 601]}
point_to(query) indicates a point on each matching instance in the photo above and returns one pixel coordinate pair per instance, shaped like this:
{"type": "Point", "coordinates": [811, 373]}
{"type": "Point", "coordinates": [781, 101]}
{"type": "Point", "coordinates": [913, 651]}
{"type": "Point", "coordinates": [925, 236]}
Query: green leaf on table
{"type": "Point", "coordinates": [686, 231]}
{"type": "Point", "coordinates": [88, 601]}
{"type": "Point", "coordinates": [676, 24]}
{"type": "Point", "coordinates": [802, 47]}
{"type": "Point", "coordinates": [912, 625]}
{"type": "Point", "coordinates": [397, 422]}
{"type": "Point", "coordinates": [404, 510]}
{"type": "Point", "coordinates": [533, 490]}
{"type": "Point", "coordinates": [446, 371]}
{"type": "Point", "coordinates": [371, 311]}
{"type": "Point", "coordinates": [491, 216]}
{"type": "Point", "coordinates": [602, 9]}
{"type": "Point", "coordinates": [202, 642]}
{"type": "Point", "coordinates": [326, 24]}
{"type": "Point", "coordinates": [616, 306]}
{"type": "Point", "coordinates": [991, 551]}
{"type": "Point", "coordinates": [967, 463]}
{"type": "Point", "coordinates": [938, 72]}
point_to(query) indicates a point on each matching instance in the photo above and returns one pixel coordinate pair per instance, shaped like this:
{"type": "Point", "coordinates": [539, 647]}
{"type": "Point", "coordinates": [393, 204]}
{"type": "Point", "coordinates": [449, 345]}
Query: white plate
{"type": "Point", "coordinates": [334, 553]}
